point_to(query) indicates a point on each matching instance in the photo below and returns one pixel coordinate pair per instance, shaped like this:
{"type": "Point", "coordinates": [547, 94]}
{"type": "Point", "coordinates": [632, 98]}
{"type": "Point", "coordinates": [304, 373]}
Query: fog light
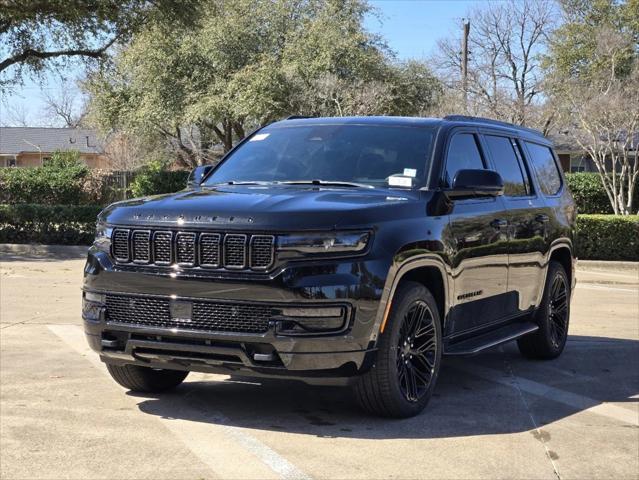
{"type": "Point", "coordinates": [95, 297]}
{"type": "Point", "coordinates": [309, 321]}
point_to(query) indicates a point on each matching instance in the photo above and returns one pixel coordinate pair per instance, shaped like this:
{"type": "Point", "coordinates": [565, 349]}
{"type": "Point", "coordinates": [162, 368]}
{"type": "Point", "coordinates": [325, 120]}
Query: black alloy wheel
{"type": "Point", "coordinates": [552, 316]}
{"type": "Point", "coordinates": [558, 310]}
{"type": "Point", "coordinates": [409, 349]}
{"type": "Point", "coordinates": [416, 351]}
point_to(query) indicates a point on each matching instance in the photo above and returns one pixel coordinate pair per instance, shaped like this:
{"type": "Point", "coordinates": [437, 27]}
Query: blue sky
{"type": "Point", "coordinates": [411, 28]}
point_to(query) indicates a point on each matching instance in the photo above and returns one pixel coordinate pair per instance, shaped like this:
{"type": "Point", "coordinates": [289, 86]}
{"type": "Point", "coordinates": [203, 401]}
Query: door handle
{"type": "Point", "coordinates": [499, 223]}
{"type": "Point", "coordinates": [543, 218]}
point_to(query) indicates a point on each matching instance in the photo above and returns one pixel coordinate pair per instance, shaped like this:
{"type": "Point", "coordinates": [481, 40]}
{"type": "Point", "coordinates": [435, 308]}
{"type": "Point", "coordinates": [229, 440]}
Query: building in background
{"type": "Point", "coordinates": [33, 146]}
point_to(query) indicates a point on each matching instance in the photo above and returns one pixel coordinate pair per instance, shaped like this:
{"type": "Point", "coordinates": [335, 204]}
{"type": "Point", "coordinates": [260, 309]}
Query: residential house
{"type": "Point", "coordinates": [33, 146]}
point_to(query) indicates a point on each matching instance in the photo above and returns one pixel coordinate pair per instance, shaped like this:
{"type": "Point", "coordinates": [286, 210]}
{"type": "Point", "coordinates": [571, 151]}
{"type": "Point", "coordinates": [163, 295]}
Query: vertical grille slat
{"type": "Point", "coordinates": [262, 251]}
{"type": "Point", "coordinates": [120, 244]}
{"type": "Point", "coordinates": [162, 247]}
{"type": "Point", "coordinates": [141, 243]}
{"type": "Point", "coordinates": [235, 251]}
{"type": "Point", "coordinates": [185, 249]}
{"type": "Point", "coordinates": [208, 250]}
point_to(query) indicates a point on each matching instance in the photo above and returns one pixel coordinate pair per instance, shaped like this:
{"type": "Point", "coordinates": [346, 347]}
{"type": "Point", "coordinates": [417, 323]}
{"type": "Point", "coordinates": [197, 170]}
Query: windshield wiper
{"type": "Point", "coordinates": [335, 183]}
{"type": "Point", "coordinates": [248, 182]}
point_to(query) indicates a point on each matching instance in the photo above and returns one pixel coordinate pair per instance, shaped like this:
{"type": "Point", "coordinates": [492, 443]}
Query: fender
{"type": "Point", "coordinates": [395, 274]}
{"type": "Point", "coordinates": [562, 242]}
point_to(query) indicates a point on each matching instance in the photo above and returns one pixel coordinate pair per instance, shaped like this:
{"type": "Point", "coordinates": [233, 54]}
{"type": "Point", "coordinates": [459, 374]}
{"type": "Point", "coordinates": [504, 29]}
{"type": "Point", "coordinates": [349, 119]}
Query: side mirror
{"type": "Point", "coordinates": [197, 174]}
{"type": "Point", "coordinates": [476, 183]}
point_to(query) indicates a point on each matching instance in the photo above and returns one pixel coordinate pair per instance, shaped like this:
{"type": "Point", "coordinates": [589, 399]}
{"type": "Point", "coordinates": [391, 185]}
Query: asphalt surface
{"type": "Point", "coordinates": [495, 415]}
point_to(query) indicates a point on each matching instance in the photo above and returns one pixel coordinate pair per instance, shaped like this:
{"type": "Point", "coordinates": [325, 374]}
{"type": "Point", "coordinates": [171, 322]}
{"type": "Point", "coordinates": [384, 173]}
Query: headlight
{"type": "Point", "coordinates": [329, 243]}
{"type": "Point", "coordinates": [103, 237]}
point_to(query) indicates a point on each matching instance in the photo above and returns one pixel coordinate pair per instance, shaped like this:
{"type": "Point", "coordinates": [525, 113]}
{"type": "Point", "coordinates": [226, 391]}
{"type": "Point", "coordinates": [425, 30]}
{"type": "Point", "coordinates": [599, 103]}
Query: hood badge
{"type": "Point", "coordinates": [183, 219]}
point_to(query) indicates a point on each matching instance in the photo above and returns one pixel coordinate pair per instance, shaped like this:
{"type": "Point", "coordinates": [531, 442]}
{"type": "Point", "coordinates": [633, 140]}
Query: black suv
{"type": "Point", "coordinates": [348, 251]}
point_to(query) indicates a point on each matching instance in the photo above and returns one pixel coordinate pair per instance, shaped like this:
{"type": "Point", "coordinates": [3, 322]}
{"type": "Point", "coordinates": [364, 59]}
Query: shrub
{"type": "Point", "coordinates": [607, 237]}
{"type": "Point", "coordinates": [48, 224]}
{"type": "Point", "coordinates": [153, 179]}
{"type": "Point", "coordinates": [59, 181]}
{"type": "Point", "coordinates": [589, 193]}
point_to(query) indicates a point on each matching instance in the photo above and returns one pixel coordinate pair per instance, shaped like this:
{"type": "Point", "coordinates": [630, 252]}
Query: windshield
{"type": "Point", "coordinates": [350, 154]}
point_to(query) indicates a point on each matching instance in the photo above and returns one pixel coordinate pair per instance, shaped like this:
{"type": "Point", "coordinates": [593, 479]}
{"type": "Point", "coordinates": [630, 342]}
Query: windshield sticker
{"type": "Point", "coordinates": [410, 172]}
{"type": "Point", "coordinates": [259, 137]}
{"type": "Point", "coordinates": [400, 181]}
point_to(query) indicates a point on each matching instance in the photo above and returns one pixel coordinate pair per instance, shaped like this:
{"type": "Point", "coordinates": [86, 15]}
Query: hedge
{"type": "Point", "coordinates": [59, 181]}
{"type": "Point", "coordinates": [607, 237]}
{"type": "Point", "coordinates": [153, 179]}
{"type": "Point", "coordinates": [55, 224]}
{"type": "Point", "coordinates": [65, 181]}
{"type": "Point", "coordinates": [590, 195]}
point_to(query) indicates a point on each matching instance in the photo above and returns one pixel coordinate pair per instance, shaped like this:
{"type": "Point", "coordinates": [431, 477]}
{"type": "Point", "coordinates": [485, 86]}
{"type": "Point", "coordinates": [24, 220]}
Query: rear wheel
{"type": "Point", "coordinates": [402, 380]}
{"type": "Point", "coordinates": [552, 317]}
{"type": "Point", "coordinates": [145, 379]}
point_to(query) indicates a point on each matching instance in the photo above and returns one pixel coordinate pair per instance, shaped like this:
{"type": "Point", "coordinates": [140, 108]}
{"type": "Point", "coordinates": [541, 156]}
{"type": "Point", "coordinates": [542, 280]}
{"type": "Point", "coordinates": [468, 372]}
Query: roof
{"type": "Point", "coordinates": [15, 140]}
{"type": "Point", "coordinates": [452, 120]}
{"type": "Point", "coordinates": [371, 120]}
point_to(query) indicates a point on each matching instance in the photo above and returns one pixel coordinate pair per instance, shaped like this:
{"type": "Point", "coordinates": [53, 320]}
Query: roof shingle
{"type": "Point", "coordinates": [14, 140]}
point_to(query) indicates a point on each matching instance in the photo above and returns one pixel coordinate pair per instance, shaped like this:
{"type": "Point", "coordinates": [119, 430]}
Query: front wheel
{"type": "Point", "coordinates": [552, 317]}
{"type": "Point", "coordinates": [145, 379]}
{"type": "Point", "coordinates": [403, 378]}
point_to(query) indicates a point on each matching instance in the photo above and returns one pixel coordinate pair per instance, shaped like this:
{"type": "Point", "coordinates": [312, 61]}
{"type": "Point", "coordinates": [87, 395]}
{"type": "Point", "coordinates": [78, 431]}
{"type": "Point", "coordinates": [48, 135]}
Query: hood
{"type": "Point", "coordinates": [273, 207]}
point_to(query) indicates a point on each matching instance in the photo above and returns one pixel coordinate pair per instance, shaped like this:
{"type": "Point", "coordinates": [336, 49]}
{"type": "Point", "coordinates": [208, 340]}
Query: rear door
{"type": "Point", "coordinates": [479, 247]}
{"type": "Point", "coordinates": [527, 220]}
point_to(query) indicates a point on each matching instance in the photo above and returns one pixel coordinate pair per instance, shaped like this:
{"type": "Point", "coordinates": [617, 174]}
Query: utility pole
{"type": "Point", "coordinates": [464, 65]}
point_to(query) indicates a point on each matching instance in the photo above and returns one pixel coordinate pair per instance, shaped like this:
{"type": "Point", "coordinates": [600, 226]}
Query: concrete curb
{"type": "Point", "coordinates": [49, 252]}
{"type": "Point", "coordinates": [607, 265]}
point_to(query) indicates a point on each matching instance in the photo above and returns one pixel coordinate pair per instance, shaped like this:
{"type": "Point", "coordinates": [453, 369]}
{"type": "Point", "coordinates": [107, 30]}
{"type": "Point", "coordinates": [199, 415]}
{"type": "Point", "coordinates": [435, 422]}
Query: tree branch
{"type": "Point", "coordinates": [31, 53]}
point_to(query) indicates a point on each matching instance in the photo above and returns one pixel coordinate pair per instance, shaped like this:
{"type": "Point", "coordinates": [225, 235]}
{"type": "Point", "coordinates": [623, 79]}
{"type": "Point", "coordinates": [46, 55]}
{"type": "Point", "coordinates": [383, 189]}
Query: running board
{"type": "Point", "coordinates": [491, 339]}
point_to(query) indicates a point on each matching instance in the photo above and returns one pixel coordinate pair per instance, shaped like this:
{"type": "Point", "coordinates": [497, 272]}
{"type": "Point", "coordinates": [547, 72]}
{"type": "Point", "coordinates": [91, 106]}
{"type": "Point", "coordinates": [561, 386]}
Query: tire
{"type": "Point", "coordinates": [552, 316]}
{"type": "Point", "coordinates": [386, 389]}
{"type": "Point", "coordinates": [145, 379]}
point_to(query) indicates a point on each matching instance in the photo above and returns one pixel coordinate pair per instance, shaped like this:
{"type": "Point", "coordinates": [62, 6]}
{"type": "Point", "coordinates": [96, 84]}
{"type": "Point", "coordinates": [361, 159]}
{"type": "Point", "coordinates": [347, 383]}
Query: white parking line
{"type": "Point", "coordinates": [230, 452]}
{"type": "Point", "coordinates": [574, 400]}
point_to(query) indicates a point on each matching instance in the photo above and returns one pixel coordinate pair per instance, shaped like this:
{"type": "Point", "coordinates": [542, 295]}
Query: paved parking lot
{"type": "Point", "coordinates": [495, 415]}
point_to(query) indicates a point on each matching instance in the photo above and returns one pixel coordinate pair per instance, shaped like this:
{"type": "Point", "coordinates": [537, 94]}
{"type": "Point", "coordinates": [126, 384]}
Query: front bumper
{"type": "Point", "coordinates": [334, 357]}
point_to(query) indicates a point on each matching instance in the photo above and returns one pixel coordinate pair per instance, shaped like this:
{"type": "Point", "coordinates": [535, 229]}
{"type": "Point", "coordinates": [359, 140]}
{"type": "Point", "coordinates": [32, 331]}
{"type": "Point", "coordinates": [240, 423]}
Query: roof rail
{"type": "Point", "coordinates": [295, 117]}
{"type": "Point", "coordinates": [490, 121]}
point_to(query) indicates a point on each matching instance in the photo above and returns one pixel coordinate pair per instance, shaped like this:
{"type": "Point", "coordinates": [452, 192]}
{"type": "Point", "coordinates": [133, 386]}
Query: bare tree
{"type": "Point", "coordinates": [504, 75]}
{"type": "Point", "coordinates": [604, 113]}
{"type": "Point", "coordinates": [64, 105]}
{"type": "Point", "coordinates": [13, 115]}
{"type": "Point", "coordinates": [124, 151]}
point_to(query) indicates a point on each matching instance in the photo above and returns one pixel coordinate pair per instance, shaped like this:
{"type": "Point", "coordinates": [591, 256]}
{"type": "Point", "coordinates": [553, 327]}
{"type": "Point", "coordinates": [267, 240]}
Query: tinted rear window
{"type": "Point", "coordinates": [547, 172]}
{"type": "Point", "coordinates": [507, 165]}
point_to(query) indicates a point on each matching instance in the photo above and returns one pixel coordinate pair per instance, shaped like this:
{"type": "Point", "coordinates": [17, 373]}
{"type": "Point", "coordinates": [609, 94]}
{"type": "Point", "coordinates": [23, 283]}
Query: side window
{"type": "Point", "coordinates": [507, 165]}
{"type": "Point", "coordinates": [546, 168]}
{"type": "Point", "coordinates": [463, 153]}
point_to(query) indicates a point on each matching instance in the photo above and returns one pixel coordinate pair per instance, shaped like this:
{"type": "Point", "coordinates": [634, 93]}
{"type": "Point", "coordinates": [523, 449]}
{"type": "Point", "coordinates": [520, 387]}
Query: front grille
{"type": "Point", "coordinates": [208, 250]}
{"type": "Point", "coordinates": [206, 316]}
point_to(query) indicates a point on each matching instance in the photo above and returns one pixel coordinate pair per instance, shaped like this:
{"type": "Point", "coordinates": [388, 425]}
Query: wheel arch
{"type": "Point", "coordinates": [561, 251]}
{"type": "Point", "coordinates": [430, 271]}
